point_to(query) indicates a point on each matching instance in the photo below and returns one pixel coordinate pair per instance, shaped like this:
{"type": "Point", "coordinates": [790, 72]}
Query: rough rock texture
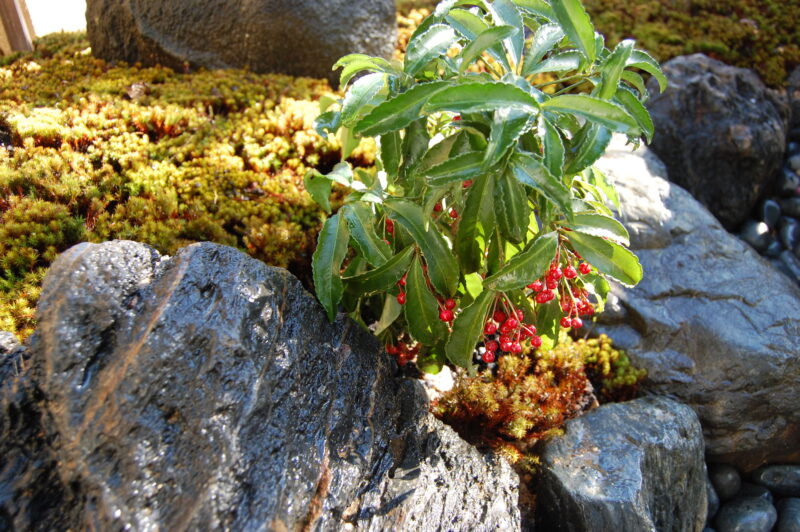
{"type": "Point", "coordinates": [297, 37]}
{"type": "Point", "coordinates": [721, 133]}
{"type": "Point", "coordinates": [625, 466]}
{"type": "Point", "coordinates": [715, 325]}
{"type": "Point", "coordinates": [209, 392]}
{"type": "Point", "coordinates": [793, 90]}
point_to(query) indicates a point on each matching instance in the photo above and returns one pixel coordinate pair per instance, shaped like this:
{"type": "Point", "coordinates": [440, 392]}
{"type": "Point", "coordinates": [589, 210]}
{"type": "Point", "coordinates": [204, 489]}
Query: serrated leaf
{"type": "Point", "coordinates": [415, 144]}
{"type": "Point", "coordinates": [352, 64]}
{"type": "Point", "coordinates": [526, 266]}
{"type": "Point", "coordinates": [605, 113]}
{"type": "Point", "coordinates": [319, 188]}
{"type": "Point", "coordinates": [561, 62]}
{"type": "Point", "coordinates": [587, 147]}
{"type": "Point", "coordinates": [539, 8]}
{"type": "Point", "coordinates": [507, 126]}
{"type": "Point", "coordinates": [398, 112]}
{"type": "Point", "coordinates": [531, 172]}
{"type": "Point", "coordinates": [421, 308]}
{"type": "Point", "coordinates": [639, 112]}
{"type": "Point", "coordinates": [548, 324]}
{"type": "Point", "coordinates": [327, 123]}
{"type": "Point", "coordinates": [644, 61]}
{"type": "Point", "coordinates": [608, 257]}
{"type": "Point", "coordinates": [599, 225]}
{"type": "Point", "coordinates": [391, 311]}
{"type": "Point", "coordinates": [576, 24]}
{"type": "Point", "coordinates": [442, 266]}
{"type": "Point", "coordinates": [553, 156]}
{"type": "Point", "coordinates": [428, 46]}
{"type": "Point", "coordinates": [469, 26]}
{"type": "Point", "coordinates": [636, 81]}
{"type": "Point", "coordinates": [505, 13]}
{"type": "Point", "coordinates": [511, 208]}
{"type": "Point", "coordinates": [382, 278]}
{"type": "Point", "coordinates": [477, 97]}
{"type": "Point", "coordinates": [599, 179]}
{"type": "Point", "coordinates": [465, 166]}
{"type": "Point", "coordinates": [545, 38]}
{"type": "Point", "coordinates": [364, 95]}
{"type": "Point", "coordinates": [327, 263]}
{"type": "Point", "coordinates": [612, 68]}
{"type": "Point", "coordinates": [467, 330]}
{"type": "Point", "coordinates": [487, 39]}
{"type": "Point", "coordinates": [476, 225]}
{"type": "Point", "coordinates": [391, 153]}
{"type": "Point", "coordinates": [360, 222]}
{"type": "Point", "coordinates": [439, 152]}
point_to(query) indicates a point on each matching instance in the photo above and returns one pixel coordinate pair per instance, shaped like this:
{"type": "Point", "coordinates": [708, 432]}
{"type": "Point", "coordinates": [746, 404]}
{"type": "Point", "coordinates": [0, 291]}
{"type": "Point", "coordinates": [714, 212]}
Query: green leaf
{"type": "Point", "coordinates": [587, 147]}
{"type": "Point", "coordinates": [382, 278]}
{"type": "Point", "coordinates": [612, 68]}
{"type": "Point", "coordinates": [422, 309]}
{"type": "Point", "coordinates": [364, 95]}
{"type": "Point", "coordinates": [507, 126]}
{"type": "Point", "coordinates": [424, 48]}
{"type": "Point", "coordinates": [526, 266]}
{"type": "Point", "coordinates": [644, 61]}
{"type": "Point", "coordinates": [459, 168]}
{"type": "Point", "coordinates": [597, 285]}
{"type": "Point", "coordinates": [477, 97]}
{"type": "Point", "coordinates": [599, 225]}
{"type": "Point", "coordinates": [342, 173]}
{"type": "Point", "coordinates": [561, 62]}
{"type": "Point", "coordinates": [505, 13]}
{"type": "Point", "coordinates": [432, 362]}
{"type": "Point", "coordinates": [360, 220]}
{"type": "Point", "coordinates": [398, 112]}
{"type": "Point", "coordinates": [442, 266]}
{"type": "Point", "coordinates": [328, 123]}
{"type": "Point", "coordinates": [467, 330]}
{"type": "Point", "coordinates": [530, 171]}
{"type": "Point", "coordinates": [391, 153]}
{"type": "Point", "coordinates": [473, 285]}
{"type": "Point", "coordinates": [605, 113]}
{"type": "Point", "coordinates": [348, 140]}
{"type": "Point", "coordinates": [539, 8]}
{"type": "Point", "coordinates": [439, 152]}
{"type": "Point", "coordinates": [352, 64]}
{"type": "Point", "coordinates": [415, 144]}
{"type": "Point", "coordinates": [327, 263]}
{"type": "Point", "coordinates": [599, 179]}
{"type": "Point", "coordinates": [553, 156]}
{"type": "Point", "coordinates": [548, 324]}
{"type": "Point", "coordinates": [639, 112]}
{"type": "Point", "coordinates": [636, 81]}
{"type": "Point", "coordinates": [487, 39]}
{"type": "Point", "coordinates": [575, 21]}
{"type": "Point", "coordinates": [391, 311]}
{"type": "Point", "coordinates": [511, 208]}
{"type": "Point", "coordinates": [476, 225]}
{"type": "Point", "coordinates": [545, 38]}
{"type": "Point", "coordinates": [319, 188]}
{"type": "Point", "coordinates": [608, 257]}
{"type": "Point", "coordinates": [470, 26]}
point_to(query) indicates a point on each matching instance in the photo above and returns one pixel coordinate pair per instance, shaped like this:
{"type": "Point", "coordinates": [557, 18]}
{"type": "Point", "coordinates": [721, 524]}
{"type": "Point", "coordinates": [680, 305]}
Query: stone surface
{"type": "Point", "coordinates": [757, 235]}
{"type": "Point", "coordinates": [788, 183]}
{"type": "Point", "coordinates": [714, 324]}
{"type": "Point", "coordinates": [788, 515]}
{"type": "Point", "coordinates": [746, 514]}
{"type": "Point", "coordinates": [791, 207]}
{"type": "Point", "coordinates": [8, 343]}
{"type": "Point", "coordinates": [754, 490]}
{"type": "Point", "coordinates": [296, 37]}
{"type": "Point", "coordinates": [790, 232]}
{"type": "Point", "coordinates": [726, 480]}
{"type": "Point", "coordinates": [794, 97]}
{"type": "Point", "coordinates": [770, 211]}
{"type": "Point", "coordinates": [792, 263]}
{"type": "Point", "coordinates": [713, 500]}
{"type": "Point", "coordinates": [782, 480]}
{"type": "Point", "coordinates": [209, 392]}
{"type": "Point", "coordinates": [625, 466]}
{"type": "Point", "coordinates": [720, 132]}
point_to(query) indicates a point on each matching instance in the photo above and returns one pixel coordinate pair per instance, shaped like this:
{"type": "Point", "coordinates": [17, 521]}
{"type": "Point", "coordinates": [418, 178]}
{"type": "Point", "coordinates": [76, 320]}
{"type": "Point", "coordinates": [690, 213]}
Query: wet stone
{"type": "Point", "coordinates": [713, 500]}
{"type": "Point", "coordinates": [749, 489]}
{"type": "Point", "coordinates": [770, 213]}
{"type": "Point", "coordinates": [794, 134]}
{"type": "Point", "coordinates": [792, 263]}
{"type": "Point", "coordinates": [793, 148]}
{"type": "Point", "coordinates": [794, 163]}
{"type": "Point", "coordinates": [756, 234]}
{"type": "Point", "coordinates": [790, 232]}
{"type": "Point", "coordinates": [788, 183]}
{"type": "Point", "coordinates": [774, 249]}
{"type": "Point", "coordinates": [725, 479]}
{"type": "Point", "coordinates": [788, 515]}
{"type": "Point", "coordinates": [782, 480]}
{"type": "Point", "coordinates": [779, 265]}
{"type": "Point", "coordinates": [746, 514]}
{"type": "Point", "coordinates": [791, 207]}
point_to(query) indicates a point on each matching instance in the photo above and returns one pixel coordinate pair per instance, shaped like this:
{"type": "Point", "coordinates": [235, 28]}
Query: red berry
{"type": "Point", "coordinates": [505, 339]}
{"type": "Point", "coordinates": [549, 294]}
{"type": "Point", "coordinates": [576, 323]}
{"type": "Point", "coordinates": [541, 298]}
{"type": "Point", "coordinates": [437, 207]}
{"type": "Point", "coordinates": [392, 349]}
{"type": "Point", "coordinates": [584, 268]}
{"type": "Point", "coordinates": [453, 214]}
{"type": "Point", "coordinates": [506, 346]}
{"type": "Point", "coordinates": [551, 283]}
{"type": "Point", "coordinates": [450, 304]}
{"type": "Point", "coordinates": [536, 286]}
{"type": "Point", "coordinates": [401, 298]}
{"type": "Point", "coordinates": [387, 242]}
{"type": "Point", "coordinates": [499, 316]}
{"type": "Point", "coordinates": [519, 314]}
{"type": "Point", "coordinates": [555, 273]}
{"type": "Point", "coordinates": [528, 330]}
{"type": "Point", "coordinates": [467, 183]}
{"type": "Point", "coordinates": [511, 324]}
{"type": "Point", "coordinates": [536, 341]}
{"type": "Point", "coordinates": [457, 118]}
{"type": "Point", "coordinates": [446, 315]}
{"type": "Point", "coordinates": [566, 322]}
{"type": "Point", "coordinates": [389, 226]}
{"type": "Point", "coordinates": [570, 272]}
{"type": "Point", "coordinates": [488, 357]}
{"type": "Point", "coordinates": [516, 348]}
{"type": "Point", "coordinates": [505, 329]}
{"type": "Point", "coordinates": [402, 281]}
{"type": "Point", "coordinates": [490, 328]}
{"type": "Point", "coordinates": [492, 345]}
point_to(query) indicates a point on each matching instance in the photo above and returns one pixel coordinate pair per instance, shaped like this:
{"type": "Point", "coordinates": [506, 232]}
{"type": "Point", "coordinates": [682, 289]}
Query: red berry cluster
{"type": "Point", "coordinates": [504, 333]}
{"type": "Point", "coordinates": [403, 352]}
{"type": "Point", "coordinates": [574, 299]}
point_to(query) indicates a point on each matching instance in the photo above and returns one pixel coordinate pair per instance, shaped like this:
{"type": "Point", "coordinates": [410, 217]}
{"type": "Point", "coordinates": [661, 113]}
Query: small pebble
{"type": "Point", "coordinates": [774, 249]}
{"type": "Point", "coordinates": [788, 515]}
{"type": "Point", "coordinates": [794, 163]}
{"type": "Point", "coordinates": [754, 490]}
{"type": "Point", "coordinates": [746, 514]}
{"type": "Point", "coordinates": [788, 183]}
{"type": "Point", "coordinates": [713, 500]}
{"type": "Point", "coordinates": [792, 263]}
{"type": "Point", "coordinates": [725, 479]}
{"type": "Point", "coordinates": [791, 207]}
{"type": "Point", "coordinates": [770, 213]}
{"type": "Point", "coordinates": [790, 232]}
{"type": "Point", "coordinates": [756, 234]}
{"type": "Point", "coordinates": [793, 148]}
{"type": "Point", "coordinates": [782, 480]}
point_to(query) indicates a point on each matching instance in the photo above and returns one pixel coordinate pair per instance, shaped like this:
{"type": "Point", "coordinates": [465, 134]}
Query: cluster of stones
{"type": "Point", "coordinates": [774, 229]}
{"type": "Point", "coordinates": [770, 500]}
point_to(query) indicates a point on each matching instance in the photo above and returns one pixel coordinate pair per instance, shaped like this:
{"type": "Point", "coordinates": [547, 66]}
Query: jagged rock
{"type": "Point", "coordinates": [715, 326]}
{"type": "Point", "coordinates": [720, 131]}
{"type": "Point", "coordinates": [625, 466]}
{"type": "Point", "coordinates": [296, 37]}
{"type": "Point", "coordinates": [209, 392]}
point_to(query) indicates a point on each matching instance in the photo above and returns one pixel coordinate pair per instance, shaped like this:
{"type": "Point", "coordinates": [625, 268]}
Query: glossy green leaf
{"type": "Point", "coordinates": [554, 152]}
{"type": "Point", "coordinates": [467, 330]}
{"type": "Point", "coordinates": [539, 8]}
{"type": "Point", "coordinates": [575, 21]}
{"type": "Point", "coordinates": [348, 140]}
{"type": "Point", "coordinates": [459, 168]}
{"type": "Point", "coordinates": [599, 179]}
{"type": "Point", "coordinates": [599, 225]}
{"type": "Point", "coordinates": [432, 362]}
{"type": "Point", "coordinates": [608, 257]}
{"type": "Point", "coordinates": [352, 64]}
{"type": "Point", "coordinates": [415, 144]}
{"type": "Point", "coordinates": [587, 147]}
{"type": "Point", "coordinates": [612, 68]}
{"type": "Point", "coordinates": [391, 311]}
{"type": "Point", "coordinates": [469, 26]}
{"type": "Point", "coordinates": [442, 266]}
{"type": "Point", "coordinates": [327, 263]}
{"type": "Point", "coordinates": [531, 172]}
{"type": "Point", "coordinates": [561, 62]}
{"type": "Point", "coordinates": [477, 97]}
{"type": "Point", "coordinates": [421, 308]}
{"type": "Point", "coordinates": [342, 173]}
{"type": "Point", "coordinates": [382, 278]}
{"type": "Point", "coordinates": [473, 285]}
{"type": "Point", "coordinates": [526, 266]}
{"type": "Point", "coordinates": [605, 113]}
{"type": "Point", "coordinates": [545, 38]}
{"type": "Point", "coordinates": [328, 123]}
{"type": "Point", "coordinates": [507, 126]}
{"type": "Point", "coordinates": [644, 61]}
{"type": "Point", "coordinates": [391, 153]}
{"type": "Point", "coordinates": [548, 324]}
{"type": "Point", "coordinates": [360, 220]}
{"type": "Point", "coordinates": [636, 81]}
{"type": "Point", "coordinates": [364, 95]}
{"type": "Point", "coordinates": [486, 40]}
{"type": "Point", "coordinates": [476, 225]}
{"type": "Point", "coordinates": [505, 13]}
{"type": "Point", "coordinates": [511, 208]}
{"type": "Point", "coordinates": [639, 112]}
{"type": "Point", "coordinates": [424, 48]}
{"type": "Point", "coordinates": [319, 188]}
{"type": "Point", "coordinates": [398, 112]}
{"type": "Point", "coordinates": [439, 152]}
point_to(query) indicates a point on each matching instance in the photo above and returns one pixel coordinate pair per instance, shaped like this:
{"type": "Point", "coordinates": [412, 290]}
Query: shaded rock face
{"type": "Point", "coordinates": [721, 133]}
{"type": "Point", "coordinates": [794, 97]}
{"type": "Point", "coordinates": [296, 37]}
{"type": "Point", "coordinates": [626, 466]}
{"type": "Point", "coordinates": [209, 392]}
{"type": "Point", "coordinates": [715, 325]}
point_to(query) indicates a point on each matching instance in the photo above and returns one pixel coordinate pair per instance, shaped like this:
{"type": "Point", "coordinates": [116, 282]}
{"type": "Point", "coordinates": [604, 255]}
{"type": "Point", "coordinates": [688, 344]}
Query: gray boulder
{"type": "Point", "coordinates": [625, 466]}
{"type": "Point", "coordinates": [721, 133]}
{"type": "Point", "coordinates": [296, 37]}
{"type": "Point", "coordinates": [208, 392]}
{"type": "Point", "coordinates": [715, 325]}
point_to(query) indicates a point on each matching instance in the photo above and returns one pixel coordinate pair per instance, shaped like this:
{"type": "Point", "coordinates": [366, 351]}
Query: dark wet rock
{"type": "Point", "coordinates": [782, 480]}
{"type": "Point", "coordinates": [788, 515]}
{"type": "Point", "coordinates": [790, 232]}
{"type": "Point", "coordinates": [791, 207]}
{"type": "Point", "coordinates": [748, 514]}
{"type": "Point", "coordinates": [794, 134]}
{"type": "Point", "coordinates": [713, 500]}
{"type": "Point", "coordinates": [754, 490]}
{"type": "Point", "coordinates": [792, 263]}
{"type": "Point", "coordinates": [780, 266]}
{"type": "Point", "coordinates": [794, 163]}
{"type": "Point", "coordinates": [209, 392]}
{"type": "Point", "coordinates": [625, 466]}
{"type": "Point", "coordinates": [726, 480]}
{"type": "Point", "coordinates": [774, 249]}
{"type": "Point", "coordinates": [706, 529]}
{"type": "Point", "coordinates": [721, 133]}
{"type": "Point", "coordinates": [714, 324]}
{"type": "Point", "coordinates": [770, 213]}
{"type": "Point", "coordinates": [793, 148]}
{"type": "Point", "coordinates": [296, 37]}
{"type": "Point", "coordinates": [793, 91]}
{"type": "Point", "coordinates": [788, 183]}
{"type": "Point", "coordinates": [757, 235]}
